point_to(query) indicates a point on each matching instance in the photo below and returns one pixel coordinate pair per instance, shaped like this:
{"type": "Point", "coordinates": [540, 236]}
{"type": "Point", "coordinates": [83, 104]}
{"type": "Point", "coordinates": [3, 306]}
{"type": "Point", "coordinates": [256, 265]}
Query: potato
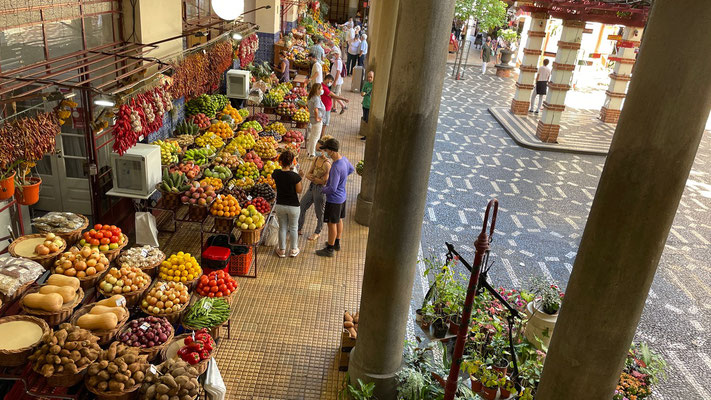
{"type": "Point", "coordinates": [112, 368]}
{"type": "Point", "coordinates": [92, 381]}
{"type": "Point", "coordinates": [162, 389]}
{"type": "Point", "coordinates": [102, 386]}
{"type": "Point", "coordinates": [115, 386]}
{"type": "Point", "coordinates": [93, 370]}
{"type": "Point", "coordinates": [104, 375]}
{"type": "Point", "coordinates": [348, 324]}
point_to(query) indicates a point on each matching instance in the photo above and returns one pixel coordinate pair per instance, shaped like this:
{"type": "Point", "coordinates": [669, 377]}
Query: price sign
{"type": "Point", "coordinates": [121, 301]}
{"type": "Point", "coordinates": [232, 186]}
{"type": "Point", "coordinates": [144, 326]}
{"type": "Point", "coordinates": [153, 370]}
{"type": "Point", "coordinates": [162, 286]}
{"type": "Point", "coordinates": [219, 197]}
{"type": "Point", "coordinates": [207, 306]}
{"type": "Point", "coordinates": [144, 252]}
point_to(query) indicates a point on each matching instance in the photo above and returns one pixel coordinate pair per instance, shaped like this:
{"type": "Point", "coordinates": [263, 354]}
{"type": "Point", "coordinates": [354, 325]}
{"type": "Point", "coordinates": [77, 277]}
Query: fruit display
{"type": "Point", "coordinates": [301, 115]}
{"type": "Point", "coordinates": [277, 127]}
{"type": "Point", "coordinates": [245, 141]}
{"type": "Point", "coordinates": [234, 113]}
{"type": "Point", "coordinates": [286, 108]}
{"type": "Point", "coordinates": [250, 219]}
{"type": "Point", "coordinates": [260, 204]}
{"type": "Point", "coordinates": [103, 237]}
{"type": "Point", "coordinates": [247, 169]}
{"type": "Point", "coordinates": [237, 193]}
{"type": "Point", "coordinates": [234, 148]}
{"type": "Point", "coordinates": [263, 190]}
{"type": "Point", "coordinates": [197, 348]}
{"type": "Point", "coordinates": [272, 134]}
{"type": "Point", "coordinates": [180, 267]}
{"type": "Point", "coordinates": [243, 112]}
{"type": "Point", "coordinates": [126, 279]}
{"type": "Point", "coordinates": [184, 140]}
{"type": "Point", "coordinates": [269, 167]}
{"type": "Point", "coordinates": [210, 310]}
{"type": "Point", "coordinates": [242, 183]}
{"type": "Point", "coordinates": [166, 297]}
{"type": "Point", "coordinates": [219, 283]}
{"type": "Point", "coordinates": [219, 172]}
{"type": "Point", "coordinates": [299, 91]}
{"type": "Point", "coordinates": [58, 222]}
{"type": "Point", "coordinates": [253, 157]}
{"type": "Point", "coordinates": [168, 151]}
{"type": "Point", "coordinates": [265, 148]}
{"type": "Point", "coordinates": [146, 332]}
{"type": "Point", "coordinates": [268, 180]}
{"type": "Point", "coordinates": [291, 98]}
{"type": "Point", "coordinates": [104, 317]}
{"type": "Point", "coordinates": [52, 244]}
{"type": "Point", "coordinates": [221, 129]}
{"type": "Point", "coordinates": [199, 156]}
{"type": "Point", "coordinates": [118, 369]}
{"type": "Point", "coordinates": [220, 101]}
{"type": "Point", "coordinates": [293, 137]}
{"type": "Point", "coordinates": [209, 139]}
{"type": "Point", "coordinates": [216, 183]}
{"type": "Point", "coordinates": [141, 257]}
{"type": "Point", "coordinates": [201, 120]}
{"type": "Point", "coordinates": [253, 124]}
{"type": "Point", "coordinates": [272, 98]}
{"type": "Point", "coordinates": [201, 105]}
{"type": "Point", "coordinates": [261, 118]}
{"type": "Point", "coordinates": [199, 194]}
{"type": "Point", "coordinates": [249, 131]}
{"type": "Point", "coordinates": [230, 161]}
{"type": "Point", "coordinates": [189, 127]}
{"type": "Point", "coordinates": [173, 182]}
{"type": "Point", "coordinates": [188, 168]}
{"type": "Point", "coordinates": [86, 262]}
{"type": "Point", "coordinates": [64, 351]}
{"type": "Point", "coordinates": [225, 207]}
{"type": "Point", "coordinates": [174, 379]}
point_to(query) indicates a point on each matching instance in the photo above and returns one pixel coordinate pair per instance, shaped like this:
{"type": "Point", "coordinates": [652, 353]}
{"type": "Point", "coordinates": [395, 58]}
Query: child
{"type": "Point", "coordinates": [365, 92]}
{"type": "Point", "coordinates": [316, 113]}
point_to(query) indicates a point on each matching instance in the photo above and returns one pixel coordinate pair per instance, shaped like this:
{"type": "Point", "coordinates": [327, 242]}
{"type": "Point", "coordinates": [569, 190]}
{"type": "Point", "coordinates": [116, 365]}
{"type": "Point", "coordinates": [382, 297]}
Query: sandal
{"type": "Point", "coordinates": [315, 236]}
{"type": "Point", "coordinates": [280, 253]}
{"type": "Point", "coordinates": [294, 252]}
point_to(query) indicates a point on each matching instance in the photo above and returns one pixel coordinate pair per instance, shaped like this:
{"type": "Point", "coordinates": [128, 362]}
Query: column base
{"type": "Point", "coordinates": [609, 116]}
{"type": "Point", "coordinates": [547, 133]}
{"type": "Point", "coordinates": [504, 71]}
{"type": "Point", "coordinates": [385, 384]}
{"type": "Point", "coordinates": [520, 107]}
{"type": "Point", "coordinates": [363, 210]}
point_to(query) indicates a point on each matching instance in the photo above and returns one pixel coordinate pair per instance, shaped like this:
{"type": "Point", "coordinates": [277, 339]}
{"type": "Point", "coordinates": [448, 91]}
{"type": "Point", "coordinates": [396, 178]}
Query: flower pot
{"type": "Point", "coordinates": [440, 329]}
{"type": "Point", "coordinates": [506, 55]}
{"type": "Point", "coordinates": [505, 394]}
{"type": "Point", "coordinates": [28, 194]}
{"type": "Point", "coordinates": [489, 393]}
{"type": "Point", "coordinates": [418, 316]}
{"type": "Point", "coordinates": [540, 325]}
{"type": "Point", "coordinates": [7, 187]}
{"type": "Point", "coordinates": [502, 369]}
{"type": "Point", "coordinates": [476, 386]}
{"type": "Point", "coordinates": [453, 327]}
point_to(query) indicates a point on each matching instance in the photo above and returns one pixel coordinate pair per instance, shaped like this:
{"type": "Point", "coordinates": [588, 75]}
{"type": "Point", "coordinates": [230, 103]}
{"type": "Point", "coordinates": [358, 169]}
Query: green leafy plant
{"type": "Point", "coordinates": [361, 391]}
{"type": "Point", "coordinates": [648, 363]}
{"type": "Point", "coordinates": [489, 13]}
{"type": "Point", "coordinates": [509, 36]}
{"type": "Point", "coordinates": [549, 294]}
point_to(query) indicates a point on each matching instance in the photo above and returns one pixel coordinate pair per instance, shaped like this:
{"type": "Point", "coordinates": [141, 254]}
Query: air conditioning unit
{"type": "Point", "coordinates": [238, 84]}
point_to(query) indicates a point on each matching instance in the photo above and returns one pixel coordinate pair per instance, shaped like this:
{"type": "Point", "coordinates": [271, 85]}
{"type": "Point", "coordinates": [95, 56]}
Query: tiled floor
{"type": "Point", "coordinates": [286, 324]}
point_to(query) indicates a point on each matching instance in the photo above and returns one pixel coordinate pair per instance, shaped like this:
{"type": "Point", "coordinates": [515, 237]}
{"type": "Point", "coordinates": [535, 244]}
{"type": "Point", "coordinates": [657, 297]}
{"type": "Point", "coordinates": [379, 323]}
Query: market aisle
{"type": "Point", "coordinates": [286, 327]}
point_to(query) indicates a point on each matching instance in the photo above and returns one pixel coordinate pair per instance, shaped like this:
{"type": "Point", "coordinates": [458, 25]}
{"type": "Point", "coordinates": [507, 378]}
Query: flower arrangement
{"type": "Point", "coordinates": [548, 295]}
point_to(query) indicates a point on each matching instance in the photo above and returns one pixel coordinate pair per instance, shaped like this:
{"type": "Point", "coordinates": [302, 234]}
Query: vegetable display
{"type": "Point", "coordinates": [216, 284]}
{"type": "Point", "coordinates": [166, 298]}
{"type": "Point", "coordinates": [86, 262]}
{"type": "Point", "coordinates": [174, 379]}
{"type": "Point", "coordinates": [260, 204]}
{"type": "Point", "coordinates": [146, 332]}
{"type": "Point", "coordinates": [189, 127]}
{"type": "Point", "coordinates": [207, 313]}
{"type": "Point", "coordinates": [174, 182]}
{"type": "Point", "coordinates": [200, 193]}
{"type": "Point", "coordinates": [201, 120]}
{"type": "Point", "coordinates": [103, 237]}
{"type": "Point", "coordinates": [225, 207]}
{"type": "Point", "coordinates": [198, 348]}
{"type": "Point", "coordinates": [141, 257]}
{"type": "Point", "coordinates": [126, 279]}
{"type": "Point", "coordinates": [26, 139]}
{"type": "Point", "coordinates": [104, 317]}
{"type": "Point", "coordinates": [180, 267]}
{"type": "Point", "coordinates": [119, 368]}
{"type": "Point", "coordinates": [67, 350]}
{"type": "Point", "coordinates": [247, 49]}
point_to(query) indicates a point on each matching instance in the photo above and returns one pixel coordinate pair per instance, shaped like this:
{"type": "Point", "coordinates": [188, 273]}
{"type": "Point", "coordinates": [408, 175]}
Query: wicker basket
{"type": "Point", "coordinates": [197, 213]}
{"type": "Point", "coordinates": [47, 260]}
{"type": "Point", "coordinates": [250, 236]}
{"type": "Point", "coordinates": [66, 379]}
{"type": "Point", "coordinates": [105, 336]}
{"type": "Point", "coordinates": [15, 358]}
{"type": "Point", "coordinates": [301, 125]}
{"type": "Point", "coordinates": [132, 298]}
{"type": "Point", "coordinates": [89, 281]}
{"type": "Point", "coordinates": [201, 367]}
{"type": "Point", "coordinates": [5, 299]}
{"type": "Point", "coordinates": [71, 237]}
{"type": "Point", "coordinates": [214, 331]}
{"type": "Point", "coordinates": [112, 254]}
{"type": "Point", "coordinates": [173, 317]}
{"type": "Point", "coordinates": [224, 225]}
{"type": "Point", "coordinates": [151, 352]}
{"type": "Point", "coordinates": [169, 200]}
{"type": "Point", "coordinates": [129, 394]}
{"type": "Point", "coordinates": [151, 270]}
{"type": "Point", "coordinates": [53, 318]}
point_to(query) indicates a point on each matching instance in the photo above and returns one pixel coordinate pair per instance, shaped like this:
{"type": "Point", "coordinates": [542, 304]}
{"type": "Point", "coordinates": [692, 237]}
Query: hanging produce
{"type": "Point", "coordinates": [128, 127]}
{"type": "Point", "coordinates": [28, 139]}
{"type": "Point", "coordinates": [220, 59]}
{"type": "Point", "coordinates": [190, 76]}
{"type": "Point", "coordinates": [247, 49]}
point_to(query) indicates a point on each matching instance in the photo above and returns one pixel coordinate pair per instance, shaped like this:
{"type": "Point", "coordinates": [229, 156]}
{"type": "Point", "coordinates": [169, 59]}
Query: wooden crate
{"type": "Point", "coordinates": [347, 343]}
{"type": "Point", "coordinates": [343, 358]}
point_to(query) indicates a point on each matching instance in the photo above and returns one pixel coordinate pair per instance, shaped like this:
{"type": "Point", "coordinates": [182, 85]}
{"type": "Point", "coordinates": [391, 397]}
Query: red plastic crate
{"type": "Point", "coordinates": [240, 264]}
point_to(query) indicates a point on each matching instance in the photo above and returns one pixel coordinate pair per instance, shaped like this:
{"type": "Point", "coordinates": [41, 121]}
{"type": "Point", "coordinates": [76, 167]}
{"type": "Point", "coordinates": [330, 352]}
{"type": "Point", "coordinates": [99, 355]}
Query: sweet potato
{"type": "Point", "coordinates": [162, 388]}
{"type": "Point", "coordinates": [348, 324]}
{"type": "Point", "coordinates": [112, 368]}
{"type": "Point", "coordinates": [347, 316]}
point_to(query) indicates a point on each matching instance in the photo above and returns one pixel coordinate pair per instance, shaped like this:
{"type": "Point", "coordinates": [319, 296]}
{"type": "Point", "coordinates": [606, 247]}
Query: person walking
{"type": "Point", "coordinates": [542, 77]}
{"type": "Point", "coordinates": [318, 176]}
{"type": "Point", "coordinates": [316, 112]}
{"type": "Point", "coordinates": [363, 50]}
{"type": "Point", "coordinates": [327, 99]}
{"type": "Point", "coordinates": [338, 70]}
{"type": "Point", "coordinates": [353, 52]}
{"type": "Point", "coordinates": [287, 208]}
{"type": "Point", "coordinates": [283, 68]}
{"type": "Point", "coordinates": [335, 191]}
{"type": "Point", "coordinates": [316, 77]}
{"type": "Point", "coordinates": [486, 53]}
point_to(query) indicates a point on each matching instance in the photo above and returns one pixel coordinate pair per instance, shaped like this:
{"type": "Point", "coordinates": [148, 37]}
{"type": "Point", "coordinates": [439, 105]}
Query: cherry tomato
{"type": "Point", "coordinates": [211, 294]}
{"type": "Point", "coordinates": [98, 235]}
{"type": "Point", "coordinates": [212, 283]}
{"type": "Point", "coordinates": [98, 227]}
{"type": "Point", "coordinates": [95, 242]}
{"type": "Point", "coordinates": [203, 279]}
{"type": "Point", "coordinates": [114, 239]}
{"type": "Point", "coordinates": [220, 281]}
{"type": "Point", "coordinates": [214, 289]}
{"type": "Point", "coordinates": [87, 236]}
{"type": "Point", "coordinates": [105, 241]}
{"type": "Point", "coordinates": [218, 294]}
{"type": "Point", "coordinates": [222, 288]}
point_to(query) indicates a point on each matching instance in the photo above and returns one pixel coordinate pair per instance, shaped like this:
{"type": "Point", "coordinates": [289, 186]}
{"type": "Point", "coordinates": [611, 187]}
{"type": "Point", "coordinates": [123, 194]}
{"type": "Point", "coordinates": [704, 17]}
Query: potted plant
{"type": "Point", "coordinates": [474, 368]}
{"type": "Point", "coordinates": [439, 326]}
{"type": "Point", "coordinates": [542, 311]}
{"type": "Point", "coordinates": [7, 181]}
{"type": "Point", "coordinates": [491, 380]}
{"type": "Point", "coordinates": [498, 353]}
{"type": "Point", "coordinates": [507, 388]}
{"type": "Point", "coordinates": [510, 36]}
{"type": "Point", "coordinates": [26, 186]}
{"type": "Point", "coordinates": [428, 316]}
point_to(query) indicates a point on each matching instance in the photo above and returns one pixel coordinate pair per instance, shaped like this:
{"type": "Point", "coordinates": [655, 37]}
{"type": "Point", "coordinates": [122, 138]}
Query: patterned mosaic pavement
{"type": "Point", "coordinates": [544, 200]}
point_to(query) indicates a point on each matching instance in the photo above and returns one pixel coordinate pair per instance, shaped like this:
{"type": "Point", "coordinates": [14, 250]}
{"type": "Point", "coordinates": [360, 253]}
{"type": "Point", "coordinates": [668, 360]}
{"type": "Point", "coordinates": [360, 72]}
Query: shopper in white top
{"type": "Point", "coordinates": [316, 70]}
{"type": "Point", "coordinates": [337, 67]}
{"type": "Point", "coordinates": [363, 50]}
{"type": "Point", "coordinates": [542, 78]}
{"type": "Point", "coordinates": [353, 52]}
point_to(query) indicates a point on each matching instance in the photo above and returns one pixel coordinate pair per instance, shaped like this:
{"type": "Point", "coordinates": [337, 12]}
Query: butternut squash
{"type": "Point", "coordinates": [114, 301]}
{"type": "Point", "coordinates": [63, 280]}
{"type": "Point", "coordinates": [120, 312]}
{"type": "Point", "coordinates": [100, 322]}
{"type": "Point", "coordinates": [44, 301]}
{"type": "Point", "coordinates": [67, 292]}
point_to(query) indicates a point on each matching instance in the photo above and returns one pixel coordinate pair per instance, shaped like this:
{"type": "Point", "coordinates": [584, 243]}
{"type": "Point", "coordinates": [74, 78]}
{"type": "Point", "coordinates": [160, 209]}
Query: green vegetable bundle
{"type": "Point", "coordinates": [207, 313]}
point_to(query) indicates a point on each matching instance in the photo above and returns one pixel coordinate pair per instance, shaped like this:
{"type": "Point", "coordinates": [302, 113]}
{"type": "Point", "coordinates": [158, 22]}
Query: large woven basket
{"type": "Point", "coordinates": [132, 298]}
{"type": "Point", "coordinates": [53, 318]}
{"type": "Point", "coordinates": [112, 254]}
{"type": "Point", "coordinates": [66, 379]}
{"type": "Point", "coordinates": [47, 260]}
{"type": "Point", "coordinates": [71, 237]}
{"type": "Point", "coordinates": [201, 367]}
{"type": "Point", "coordinates": [169, 200]}
{"type": "Point", "coordinates": [15, 358]}
{"type": "Point", "coordinates": [151, 270]}
{"type": "Point", "coordinates": [250, 236]}
{"type": "Point", "coordinates": [5, 299]}
{"type": "Point", "coordinates": [173, 317]}
{"type": "Point", "coordinates": [105, 336]}
{"type": "Point", "coordinates": [151, 352]}
{"type": "Point", "coordinates": [89, 281]}
{"type": "Point", "coordinates": [129, 394]}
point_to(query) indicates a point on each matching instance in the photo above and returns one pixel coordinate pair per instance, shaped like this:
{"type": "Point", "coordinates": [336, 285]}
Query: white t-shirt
{"type": "Point", "coordinates": [544, 73]}
{"type": "Point", "coordinates": [351, 34]}
{"type": "Point", "coordinates": [337, 70]}
{"type": "Point", "coordinates": [354, 47]}
{"type": "Point", "coordinates": [316, 73]}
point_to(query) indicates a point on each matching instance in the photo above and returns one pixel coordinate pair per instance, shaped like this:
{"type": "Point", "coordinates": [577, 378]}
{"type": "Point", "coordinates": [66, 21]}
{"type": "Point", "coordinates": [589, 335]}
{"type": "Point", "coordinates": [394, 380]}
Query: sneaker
{"type": "Point", "coordinates": [530, 111]}
{"type": "Point", "coordinates": [342, 110]}
{"type": "Point", "coordinates": [337, 247]}
{"type": "Point", "coordinates": [326, 252]}
{"type": "Point", "coordinates": [294, 252]}
{"type": "Point", "coordinates": [280, 253]}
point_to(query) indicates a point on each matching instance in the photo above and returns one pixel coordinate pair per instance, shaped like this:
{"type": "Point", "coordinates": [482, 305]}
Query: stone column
{"type": "Point", "coordinates": [529, 65]}
{"type": "Point", "coordinates": [292, 16]}
{"type": "Point", "coordinates": [384, 19]}
{"type": "Point", "coordinates": [412, 103]}
{"type": "Point", "coordinates": [562, 74]}
{"type": "Point", "coordinates": [269, 22]}
{"type": "Point", "coordinates": [621, 74]}
{"type": "Point", "coordinates": [652, 152]}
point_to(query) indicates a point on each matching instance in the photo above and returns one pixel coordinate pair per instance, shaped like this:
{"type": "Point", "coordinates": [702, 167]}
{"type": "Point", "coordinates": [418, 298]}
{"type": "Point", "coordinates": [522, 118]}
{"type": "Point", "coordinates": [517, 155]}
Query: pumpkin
{"type": "Point", "coordinates": [67, 292]}
{"type": "Point", "coordinates": [120, 312]}
{"type": "Point", "coordinates": [102, 322]}
{"type": "Point", "coordinates": [44, 301]}
{"type": "Point", "coordinates": [63, 280]}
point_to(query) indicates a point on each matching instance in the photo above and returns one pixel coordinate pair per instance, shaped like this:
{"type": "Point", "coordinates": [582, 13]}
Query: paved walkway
{"type": "Point", "coordinates": [545, 198]}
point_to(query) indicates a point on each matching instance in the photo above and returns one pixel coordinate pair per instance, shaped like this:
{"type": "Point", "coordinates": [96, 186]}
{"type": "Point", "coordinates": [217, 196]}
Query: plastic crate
{"type": "Point", "coordinates": [241, 261]}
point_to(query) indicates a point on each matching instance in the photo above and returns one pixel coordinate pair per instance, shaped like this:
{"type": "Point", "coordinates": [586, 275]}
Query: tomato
{"type": "Point", "coordinates": [87, 235]}
{"type": "Point", "coordinates": [94, 242]}
{"type": "Point", "coordinates": [218, 294]}
{"type": "Point", "coordinates": [116, 231]}
{"type": "Point", "coordinates": [115, 227]}
{"type": "Point", "coordinates": [222, 288]}
{"type": "Point", "coordinates": [211, 294]}
{"type": "Point", "coordinates": [203, 279]}
{"type": "Point", "coordinates": [220, 281]}
{"type": "Point", "coordinates": [105, 241]}
{"type": "Point", "coordinates": [212, 283]}
{"type": "Point", "coordinates": [114, 239]}
{"type": "Point", "coordinates": [214, 289]}
{"type": "Point", "coordinates": [98, 235]}
{"type": "Point", "coordinates": [98, 227]}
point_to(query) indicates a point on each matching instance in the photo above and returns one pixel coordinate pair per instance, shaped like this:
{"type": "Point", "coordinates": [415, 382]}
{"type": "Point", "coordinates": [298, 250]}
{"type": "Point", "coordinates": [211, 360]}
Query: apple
{"type": "Point", "coordinates": [244, 226]}
{"type": "Point", "coordinates": [113, 246]}
{"type": "Point", "coordinates": [104, 248]}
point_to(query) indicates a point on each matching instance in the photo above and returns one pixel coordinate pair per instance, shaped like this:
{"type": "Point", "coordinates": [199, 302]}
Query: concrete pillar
{"type": "Point", "coordinates": [155, 20]}
{"type": "Point", "coordinates": [621, 74]}
{"type": "Point", "coordinates": [292, 16]}
{"type": "Point", "coordinates": [529, 65]}
{"type": "Point", "coordinates": [652, 152]}
{"type": "Point", "coordinates": [269, 22]}
{"type": "Point", "coordinates": [415, 90]}
{"type": "Point", "coordinates": [565, 61]}
{"type": "Point", "coordinates": [384, 19]}
{"type": "Point", "coordinates": [353, 8]}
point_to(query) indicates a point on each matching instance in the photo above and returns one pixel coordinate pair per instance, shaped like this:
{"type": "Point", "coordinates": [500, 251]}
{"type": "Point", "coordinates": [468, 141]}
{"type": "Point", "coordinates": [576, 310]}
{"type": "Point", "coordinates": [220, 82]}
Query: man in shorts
{"type": "Point", "coordinates": [335, 191]}
{"type": "Point", "coordinates": [542, 78]}
{"type": "Point", "coordinates": [327, 99]}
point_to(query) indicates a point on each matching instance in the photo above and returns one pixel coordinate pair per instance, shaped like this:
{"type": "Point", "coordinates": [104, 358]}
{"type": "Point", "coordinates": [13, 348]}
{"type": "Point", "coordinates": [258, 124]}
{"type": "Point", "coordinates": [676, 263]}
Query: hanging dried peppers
{"type": "Point", "coordinates": [220, 59]}
{"type": "Point", "coordinates": [201, 73]}
{"type": "Point", "coordinates": [28, 139]}
{"type": "Point", "coordinates": [140, 116]}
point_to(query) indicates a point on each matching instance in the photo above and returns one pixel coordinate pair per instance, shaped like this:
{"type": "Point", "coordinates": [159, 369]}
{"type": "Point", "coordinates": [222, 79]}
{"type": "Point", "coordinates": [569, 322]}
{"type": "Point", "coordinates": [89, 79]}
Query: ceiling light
{"type": "Point", "coordinates": [104, 102]}
{"type": "Point", "coordinates": [236, 36]}
{"type": "Point", "coordinates": [228, 9]}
